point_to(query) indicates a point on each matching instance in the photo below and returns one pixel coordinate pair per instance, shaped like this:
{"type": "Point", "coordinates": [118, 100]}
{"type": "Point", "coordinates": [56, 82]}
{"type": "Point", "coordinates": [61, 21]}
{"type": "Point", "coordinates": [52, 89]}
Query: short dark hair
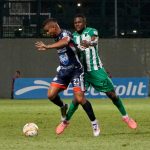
{"type": "Point", "coordinates": [49, 20]}
{"type": "Point", "coordinates": [80, 15]}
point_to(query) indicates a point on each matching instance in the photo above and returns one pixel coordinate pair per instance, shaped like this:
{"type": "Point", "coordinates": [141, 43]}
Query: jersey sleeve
{"type": "Point", "coordinates": [66, 35]}
{"type": "Point", "coordinates": [93, 32]}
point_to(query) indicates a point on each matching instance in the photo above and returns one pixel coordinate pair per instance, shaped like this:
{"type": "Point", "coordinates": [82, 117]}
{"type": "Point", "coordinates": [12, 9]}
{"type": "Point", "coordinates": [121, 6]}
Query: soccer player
{"type": "Point", "coordinates": [70, 70]}
{"type": "Point", "coordinates": [95, 75]}
{"type": "Point", "coordinates": [16, 75]}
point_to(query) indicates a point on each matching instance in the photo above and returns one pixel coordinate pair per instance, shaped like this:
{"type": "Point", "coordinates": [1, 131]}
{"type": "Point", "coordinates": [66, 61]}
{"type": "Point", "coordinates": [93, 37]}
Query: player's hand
{"type": "Point", "coordinates": [40, 46]}
{"type": "Point", "coordinates": [85, 43]}
{"type": "Point", "coordinates": [81, 48]}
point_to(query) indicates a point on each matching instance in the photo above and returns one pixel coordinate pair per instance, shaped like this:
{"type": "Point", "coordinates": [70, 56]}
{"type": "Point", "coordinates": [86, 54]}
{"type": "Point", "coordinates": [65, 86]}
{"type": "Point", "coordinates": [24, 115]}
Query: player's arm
{"type": "Point", "coordinates": [93, 41]}
{"type": "Point", "coordinates": [61, 43]}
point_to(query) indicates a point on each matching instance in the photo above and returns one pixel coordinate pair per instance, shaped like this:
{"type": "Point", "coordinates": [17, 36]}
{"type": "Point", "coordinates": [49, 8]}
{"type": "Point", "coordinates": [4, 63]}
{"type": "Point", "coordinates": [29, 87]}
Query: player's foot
{"type": "Point", "coordinates": [130, 122]}
{"type": "Point", "coordinates": [61, 127]}
{"type": "Point", "coordinates": [64, 112]}
{"type": "Point", "coordinates": [96, 129]}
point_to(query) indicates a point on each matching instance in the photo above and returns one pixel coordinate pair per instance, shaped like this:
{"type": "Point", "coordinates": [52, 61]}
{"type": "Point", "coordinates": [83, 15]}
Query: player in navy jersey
{"type": "Point", "coordinates": [70, 71]}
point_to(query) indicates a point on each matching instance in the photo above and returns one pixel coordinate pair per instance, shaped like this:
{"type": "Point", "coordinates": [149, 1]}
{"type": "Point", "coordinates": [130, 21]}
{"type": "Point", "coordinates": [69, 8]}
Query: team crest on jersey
{"type": "Point", "coordinates": [65, 34]}
{"type": "Point", "coordinates": [64, 59]}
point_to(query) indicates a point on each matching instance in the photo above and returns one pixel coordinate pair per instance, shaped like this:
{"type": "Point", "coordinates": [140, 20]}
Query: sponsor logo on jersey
{"type": "Point", "coordinates": [64, 59]}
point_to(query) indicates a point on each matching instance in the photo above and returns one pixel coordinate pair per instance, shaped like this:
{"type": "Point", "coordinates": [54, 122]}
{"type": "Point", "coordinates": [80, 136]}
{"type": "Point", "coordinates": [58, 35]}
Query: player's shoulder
{"type": "Point", "coordinates": [91, 31]}
{"type": "Point", "coordinates": [65, 33]}
{"type": "Point", "coordinates": [74, 33]}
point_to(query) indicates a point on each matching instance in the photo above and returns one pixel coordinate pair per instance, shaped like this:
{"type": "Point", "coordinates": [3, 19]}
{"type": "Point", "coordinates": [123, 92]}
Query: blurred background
{"type": "Point", "coordinates": [124, 32]}
{"type": "Point", "coordinates": [113, 18]}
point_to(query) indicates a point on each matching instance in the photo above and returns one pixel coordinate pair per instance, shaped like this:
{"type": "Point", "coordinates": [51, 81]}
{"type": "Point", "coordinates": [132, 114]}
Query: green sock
{"type": "Point", "coordinates": [118, 103]}
{"type": "Point", "coordinates": [73, 107]}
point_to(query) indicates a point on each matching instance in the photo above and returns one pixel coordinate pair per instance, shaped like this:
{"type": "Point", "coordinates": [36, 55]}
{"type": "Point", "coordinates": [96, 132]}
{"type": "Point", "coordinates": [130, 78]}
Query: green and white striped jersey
{"type": "Point", "coordinates": [89, 57]}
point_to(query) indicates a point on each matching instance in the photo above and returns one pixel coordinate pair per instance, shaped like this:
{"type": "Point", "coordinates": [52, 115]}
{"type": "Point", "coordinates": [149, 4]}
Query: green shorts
{"type": "Point", "coordinates": [99, 80]}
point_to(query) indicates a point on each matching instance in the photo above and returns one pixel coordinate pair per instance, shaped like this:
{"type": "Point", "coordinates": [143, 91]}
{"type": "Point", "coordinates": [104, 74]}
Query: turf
{"type": "Point", "coordinates": [115, 135]}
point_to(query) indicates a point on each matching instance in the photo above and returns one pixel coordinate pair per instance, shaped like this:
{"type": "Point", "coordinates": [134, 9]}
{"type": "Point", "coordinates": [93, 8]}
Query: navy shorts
{"type": "Point", "coordinates": [75, 76]}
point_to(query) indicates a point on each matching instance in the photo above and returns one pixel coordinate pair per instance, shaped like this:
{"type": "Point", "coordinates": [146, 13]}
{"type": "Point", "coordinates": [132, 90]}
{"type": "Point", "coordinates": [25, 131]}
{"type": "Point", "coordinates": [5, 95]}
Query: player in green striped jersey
{"type": "Point", "coordinates": [95, 75]}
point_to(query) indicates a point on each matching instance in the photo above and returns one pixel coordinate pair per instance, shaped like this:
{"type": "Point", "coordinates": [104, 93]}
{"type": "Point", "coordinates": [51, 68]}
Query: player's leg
{"type": "Point", "coordinates": [74, 104]}
{"type": "Point", "coordinates": [108, 88]}
{"type": "Point", "coordinates": [110, 92]}
{"type": "Point", "coordinates": [118, 103]}
{"type": "Point", "coordinates": [53, 96]}
{"type": "Point", "coordinates": [78, 85]}
{"type": "Point", "coordinates": [102, 83]}
{"type": "Point", "coordinates": [80, 98]}
{"type": "Point", "coordinates": [72, 108]}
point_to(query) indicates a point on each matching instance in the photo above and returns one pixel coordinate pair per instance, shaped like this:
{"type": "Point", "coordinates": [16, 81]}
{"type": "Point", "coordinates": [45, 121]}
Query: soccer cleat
{"type": "Point", "coordinates": [130, 122]}
{"type": "Point", "coordinates": [61, 127]}
{"type": "Point", "coordinates": [63, 110]}
{"type": "Point", "coordinates": [96, 129]}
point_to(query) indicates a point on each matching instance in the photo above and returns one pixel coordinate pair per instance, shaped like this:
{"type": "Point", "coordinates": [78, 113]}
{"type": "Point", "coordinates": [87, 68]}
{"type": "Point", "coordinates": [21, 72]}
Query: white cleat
{"type": "Point", "coordinates": [96, 129]}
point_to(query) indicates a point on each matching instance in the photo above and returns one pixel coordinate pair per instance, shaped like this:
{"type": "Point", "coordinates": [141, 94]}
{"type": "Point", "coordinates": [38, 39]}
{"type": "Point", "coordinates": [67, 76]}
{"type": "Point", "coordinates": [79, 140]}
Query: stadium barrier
{"type": "Point", "coordinates": [36, 88]}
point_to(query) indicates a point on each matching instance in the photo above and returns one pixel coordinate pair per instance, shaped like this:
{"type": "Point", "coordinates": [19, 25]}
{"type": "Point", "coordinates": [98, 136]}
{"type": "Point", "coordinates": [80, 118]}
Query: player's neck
{"type": "Point", "coordinates": [80, 32]}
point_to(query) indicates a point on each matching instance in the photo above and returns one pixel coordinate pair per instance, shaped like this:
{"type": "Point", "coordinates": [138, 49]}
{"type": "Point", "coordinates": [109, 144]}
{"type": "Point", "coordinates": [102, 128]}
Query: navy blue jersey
{"type": "Point", "coordinates": [68, 54]}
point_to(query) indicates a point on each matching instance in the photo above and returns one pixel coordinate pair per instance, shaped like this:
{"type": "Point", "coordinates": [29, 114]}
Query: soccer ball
{"type": "Point", "coordinates": [30, 129]}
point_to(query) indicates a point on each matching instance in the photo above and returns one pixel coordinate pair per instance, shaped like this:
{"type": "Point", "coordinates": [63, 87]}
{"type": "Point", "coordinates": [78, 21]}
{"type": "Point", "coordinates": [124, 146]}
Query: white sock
{"type": "Point", "coordinates": [126, 116]}
{"type": "Point", "coordinates": [94, 122]}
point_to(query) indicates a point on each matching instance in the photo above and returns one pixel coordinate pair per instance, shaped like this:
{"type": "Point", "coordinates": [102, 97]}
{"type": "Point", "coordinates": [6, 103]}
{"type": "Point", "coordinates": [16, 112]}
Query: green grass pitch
{"type": "Point", "coordinates": [115, 135]}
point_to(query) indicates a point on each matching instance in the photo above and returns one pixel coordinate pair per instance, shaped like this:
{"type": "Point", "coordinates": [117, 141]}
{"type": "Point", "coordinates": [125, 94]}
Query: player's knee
{"type": "Point", "coordinates": [51, 96]}
{"type": "Point", "coordinates": [80, 99]}
{"type": "Point", "coordinates": [112, 95]}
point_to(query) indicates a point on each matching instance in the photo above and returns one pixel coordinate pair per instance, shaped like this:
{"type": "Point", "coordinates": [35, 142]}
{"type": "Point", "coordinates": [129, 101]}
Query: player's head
{"type": "Point", "coordinates": [17, 74]}
{"type": "Point", "coordinates": [51, 27]}
{"type": "Point", "coordinates": [79, 22]}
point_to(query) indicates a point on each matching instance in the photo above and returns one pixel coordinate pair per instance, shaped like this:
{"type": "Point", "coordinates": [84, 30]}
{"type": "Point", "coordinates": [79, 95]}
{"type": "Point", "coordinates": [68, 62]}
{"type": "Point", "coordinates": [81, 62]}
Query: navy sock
{"type": "Point", "coordinates": [57, 101]}
{"type": "Point", "coordinates": [89, 110]}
